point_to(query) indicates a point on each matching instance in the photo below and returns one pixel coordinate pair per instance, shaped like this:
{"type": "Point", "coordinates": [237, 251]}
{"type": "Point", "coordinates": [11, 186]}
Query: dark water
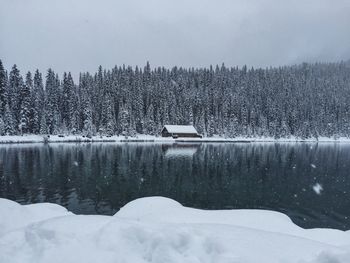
{"type": "Point", "coordinates": [101, 178]}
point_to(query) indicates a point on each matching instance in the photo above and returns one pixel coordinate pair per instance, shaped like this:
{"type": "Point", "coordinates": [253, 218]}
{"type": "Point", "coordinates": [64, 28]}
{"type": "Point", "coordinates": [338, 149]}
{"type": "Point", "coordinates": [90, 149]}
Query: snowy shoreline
{"type": "Point", "coordinates": [158, 229]}
{"type": "Point", "coordinates": [148, 138]}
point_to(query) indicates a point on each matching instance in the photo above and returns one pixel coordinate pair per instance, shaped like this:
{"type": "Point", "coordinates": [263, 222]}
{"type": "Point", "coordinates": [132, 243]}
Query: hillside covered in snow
{"type": "Point", "coordinates": [304, 101]}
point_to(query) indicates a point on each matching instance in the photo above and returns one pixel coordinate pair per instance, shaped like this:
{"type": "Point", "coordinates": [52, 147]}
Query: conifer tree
{"type": "Point", "coordinates": [43, 124]}
{"type": "Point", "coordinates": [14, 94]}
{"type": "Point", "coordinates": [24, 124]}
{"type": "Point", "coordinates": [3, 84]}
{"type": "Point", "coordinates": [2, 126]}
{"type": "Point", "coordinates": [9, 122]}
{"type": "Point", "coordinates": [37, 102]}
{"type": "Point", "coordinates": [52, 91]}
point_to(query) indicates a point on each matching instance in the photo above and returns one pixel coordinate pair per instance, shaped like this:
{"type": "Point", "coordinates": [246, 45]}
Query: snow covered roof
{"type": "Point", "coordinates": [180, 128]}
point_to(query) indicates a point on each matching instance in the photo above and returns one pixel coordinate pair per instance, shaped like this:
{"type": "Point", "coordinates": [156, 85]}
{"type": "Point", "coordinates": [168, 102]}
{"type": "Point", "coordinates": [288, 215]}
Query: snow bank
{"type": "Point", "coordinates": [14, 215]}
{"type": "Point", "coordinates": [78, 138]}
{"type": "Point", "coordinates": [150, 138]}
{"type": "Point", "coordinates": [160, 230]}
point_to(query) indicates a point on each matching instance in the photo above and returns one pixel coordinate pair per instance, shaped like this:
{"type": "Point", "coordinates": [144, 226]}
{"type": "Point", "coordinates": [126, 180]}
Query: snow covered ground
{"type": "Point", "coordinates": [158, 229]}
{"type": "Point", "coordinates": [149, 138]}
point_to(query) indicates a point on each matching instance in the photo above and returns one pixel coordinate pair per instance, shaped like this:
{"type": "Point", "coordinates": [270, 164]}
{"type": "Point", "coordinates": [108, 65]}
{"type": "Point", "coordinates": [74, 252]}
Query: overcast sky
{"type": "Point", "coordinates": [79, 35]}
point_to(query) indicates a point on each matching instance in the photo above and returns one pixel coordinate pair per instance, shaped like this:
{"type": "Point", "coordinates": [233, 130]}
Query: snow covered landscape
{"type": "Point", "coordinates": [158, 229]}
{"type": "Point", "coordinates": [162, 131]}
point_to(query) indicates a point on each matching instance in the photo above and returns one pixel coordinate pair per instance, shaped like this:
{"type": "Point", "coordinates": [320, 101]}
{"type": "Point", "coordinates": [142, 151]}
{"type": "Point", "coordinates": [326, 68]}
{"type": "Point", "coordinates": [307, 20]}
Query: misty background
{"type": "Point", "coordinates": [79, 35]}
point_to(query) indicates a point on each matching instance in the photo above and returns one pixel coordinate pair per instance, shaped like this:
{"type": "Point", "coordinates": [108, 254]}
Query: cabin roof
{"type": "Point", "coordinates": [180, 129]}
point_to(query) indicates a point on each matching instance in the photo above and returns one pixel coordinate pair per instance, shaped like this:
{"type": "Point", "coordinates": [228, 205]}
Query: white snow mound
{"type": "Point", "coordinates": [158, 229]}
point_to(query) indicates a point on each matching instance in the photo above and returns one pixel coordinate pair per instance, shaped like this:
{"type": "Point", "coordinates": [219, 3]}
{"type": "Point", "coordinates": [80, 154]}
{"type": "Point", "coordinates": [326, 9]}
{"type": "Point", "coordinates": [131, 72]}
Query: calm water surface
{"type": "Point", "coordinates": [308, 182]}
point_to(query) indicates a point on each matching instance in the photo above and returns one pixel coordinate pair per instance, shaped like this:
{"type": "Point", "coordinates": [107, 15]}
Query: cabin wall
{"type": "Point", "coordinates": [188, 135]}
{"type": "Point", "coordinates": [165, 133]}
{"type": "Point", "coordinates": [181, 135]}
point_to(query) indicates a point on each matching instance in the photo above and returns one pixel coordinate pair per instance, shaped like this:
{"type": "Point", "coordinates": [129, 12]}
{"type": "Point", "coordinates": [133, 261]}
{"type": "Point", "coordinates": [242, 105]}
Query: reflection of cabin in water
{"type": "Point", "coordinates": [178, 150]}
{"type": "Point", "coordinates": [177, 131]}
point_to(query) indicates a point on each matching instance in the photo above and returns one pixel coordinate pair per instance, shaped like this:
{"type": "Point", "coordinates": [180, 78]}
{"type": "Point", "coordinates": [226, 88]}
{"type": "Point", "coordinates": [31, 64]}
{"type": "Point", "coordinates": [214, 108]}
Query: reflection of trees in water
{"type": "Point", "coordinates": [90, 178]}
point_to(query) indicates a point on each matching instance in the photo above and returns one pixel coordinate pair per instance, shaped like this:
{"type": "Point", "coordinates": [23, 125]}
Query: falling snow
{"type": "Point", "coordinates": [317, 188]}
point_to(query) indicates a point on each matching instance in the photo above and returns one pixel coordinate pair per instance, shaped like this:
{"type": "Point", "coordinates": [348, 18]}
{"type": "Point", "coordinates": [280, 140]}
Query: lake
{"type": "Point", "coordinates": [307, 181]}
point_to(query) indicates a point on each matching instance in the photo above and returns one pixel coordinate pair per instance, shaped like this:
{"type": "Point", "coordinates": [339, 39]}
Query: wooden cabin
{"type": "Point", "coordinates": [177, 131]}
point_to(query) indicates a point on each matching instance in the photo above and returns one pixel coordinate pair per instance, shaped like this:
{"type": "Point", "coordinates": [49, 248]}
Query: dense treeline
{"type": "Point", "coordinates": [304, 100]}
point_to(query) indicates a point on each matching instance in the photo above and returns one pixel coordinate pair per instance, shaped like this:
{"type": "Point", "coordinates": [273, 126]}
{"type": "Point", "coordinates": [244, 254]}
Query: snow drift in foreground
{"type": "Point", "coordinates": [158, 229]}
